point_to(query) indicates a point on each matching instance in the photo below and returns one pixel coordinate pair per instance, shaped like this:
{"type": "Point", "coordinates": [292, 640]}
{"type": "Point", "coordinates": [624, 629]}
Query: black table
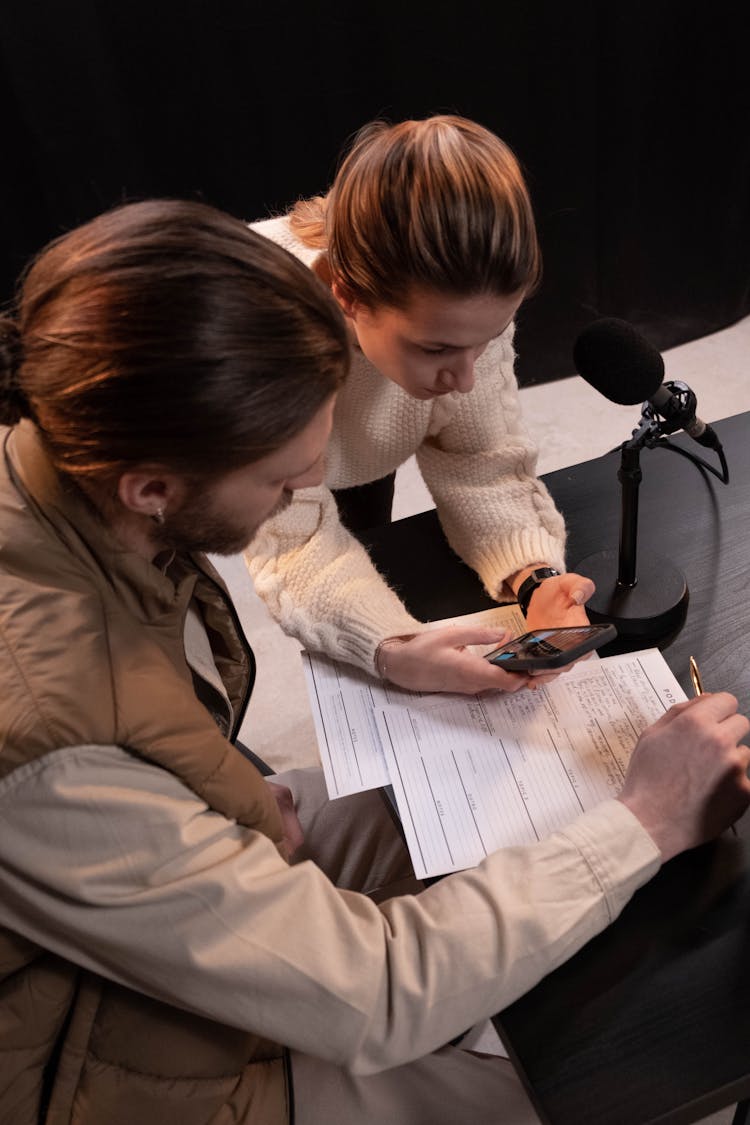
{"type": "Point", "coordinates": [650, 1022]}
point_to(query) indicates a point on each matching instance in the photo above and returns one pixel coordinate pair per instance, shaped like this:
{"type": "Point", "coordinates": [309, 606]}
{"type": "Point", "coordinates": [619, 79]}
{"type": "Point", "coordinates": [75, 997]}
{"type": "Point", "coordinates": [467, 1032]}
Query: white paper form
{"type": "Point", "coordinates": [345, 701]}
{"type": "Point", "coordinates": [476, 774]}
{"type": "Point", "coordinates": [344, 704]}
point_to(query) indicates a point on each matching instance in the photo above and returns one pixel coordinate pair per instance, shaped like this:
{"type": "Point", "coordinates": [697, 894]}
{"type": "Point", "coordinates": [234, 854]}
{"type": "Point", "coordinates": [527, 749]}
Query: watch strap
{"type": "Point", "coordinates": [530, 583]}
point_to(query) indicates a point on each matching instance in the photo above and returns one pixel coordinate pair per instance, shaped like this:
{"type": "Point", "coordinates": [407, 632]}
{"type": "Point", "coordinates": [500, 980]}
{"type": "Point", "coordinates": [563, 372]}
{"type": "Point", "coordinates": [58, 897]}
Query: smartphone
{"type": "Point", "coordinates": [550, 648]}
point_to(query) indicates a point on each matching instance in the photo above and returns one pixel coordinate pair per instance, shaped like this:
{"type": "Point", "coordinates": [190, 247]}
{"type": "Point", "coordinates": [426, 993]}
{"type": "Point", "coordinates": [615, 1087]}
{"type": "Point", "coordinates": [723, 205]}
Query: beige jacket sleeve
{"type": "Point", "coordinates": [480, 466]}
{"type": "Point", "coordinates": [167, 897]}
{"type": "Point", "coordinates": [319, 583]}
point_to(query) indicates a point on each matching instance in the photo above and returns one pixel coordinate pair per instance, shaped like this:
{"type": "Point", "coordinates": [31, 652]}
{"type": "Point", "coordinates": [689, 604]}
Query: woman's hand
{"type": "Point", "coordinates": [439, 660]}
{"type": "Point", "coordinates": [559, 601]}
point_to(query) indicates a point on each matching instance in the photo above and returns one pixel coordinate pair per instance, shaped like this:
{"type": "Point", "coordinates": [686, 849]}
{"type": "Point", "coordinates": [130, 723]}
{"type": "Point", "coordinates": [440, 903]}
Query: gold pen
{"type": "Point", "coordinates": [695, 676]}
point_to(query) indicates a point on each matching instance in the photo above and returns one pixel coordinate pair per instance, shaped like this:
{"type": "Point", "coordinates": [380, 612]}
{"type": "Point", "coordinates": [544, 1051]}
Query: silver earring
{"type": "Point", "coordinates": [158, 516]}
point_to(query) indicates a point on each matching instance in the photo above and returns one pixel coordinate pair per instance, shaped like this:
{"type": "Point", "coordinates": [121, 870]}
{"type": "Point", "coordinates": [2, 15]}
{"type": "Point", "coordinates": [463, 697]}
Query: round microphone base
{"type": "Point", "coordinates": [650, 613]}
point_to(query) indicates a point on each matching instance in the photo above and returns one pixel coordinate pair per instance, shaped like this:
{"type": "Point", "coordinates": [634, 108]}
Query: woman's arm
{"type": "Point", "coordinates": [480, 466]}
{"type": "Point", "coordinates": [319, 583]}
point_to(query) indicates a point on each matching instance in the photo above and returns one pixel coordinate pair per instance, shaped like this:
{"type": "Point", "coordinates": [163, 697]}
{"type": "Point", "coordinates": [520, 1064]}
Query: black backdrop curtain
{"type": "Point", "coordinates": [631, 121]}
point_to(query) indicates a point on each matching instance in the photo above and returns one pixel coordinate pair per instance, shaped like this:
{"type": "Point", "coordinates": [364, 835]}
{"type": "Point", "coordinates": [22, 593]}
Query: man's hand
{"type": "Point", "coordinates": [293, 834]}
{"type": "Point", "coordinates": [438, 660]}
{"type": "Point", "coordinates": [687, 779]}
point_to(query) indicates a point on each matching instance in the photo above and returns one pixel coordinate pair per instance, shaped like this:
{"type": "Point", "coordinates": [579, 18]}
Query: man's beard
{"type": "Point", "coordinates": [196, 528]}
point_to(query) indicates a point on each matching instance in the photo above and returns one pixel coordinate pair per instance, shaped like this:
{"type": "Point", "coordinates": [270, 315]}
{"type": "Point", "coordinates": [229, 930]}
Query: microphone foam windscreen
{"type": "Point", "coordinates": [618, 362]}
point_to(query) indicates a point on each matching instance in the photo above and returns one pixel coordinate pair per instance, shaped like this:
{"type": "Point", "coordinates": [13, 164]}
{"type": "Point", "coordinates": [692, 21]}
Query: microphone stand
{"type": "Point", "coordinates": [654, 609]}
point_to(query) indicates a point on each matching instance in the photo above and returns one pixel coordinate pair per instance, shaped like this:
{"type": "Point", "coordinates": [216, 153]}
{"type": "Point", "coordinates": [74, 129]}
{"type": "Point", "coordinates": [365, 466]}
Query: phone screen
{"type": "Point", "coordinates": [551, 648]}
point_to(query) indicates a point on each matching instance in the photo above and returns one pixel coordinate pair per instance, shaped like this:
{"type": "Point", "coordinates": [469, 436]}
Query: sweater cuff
{"type": "Point", "coordinates": [495, 563]}
{"type": "Point", "coordinates": [373, 618]}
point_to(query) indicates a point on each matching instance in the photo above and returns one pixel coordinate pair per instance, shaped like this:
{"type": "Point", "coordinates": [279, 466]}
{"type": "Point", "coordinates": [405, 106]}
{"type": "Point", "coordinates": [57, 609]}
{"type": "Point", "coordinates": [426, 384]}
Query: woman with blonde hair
{"type": "Point", "coordinates": [427, 240]}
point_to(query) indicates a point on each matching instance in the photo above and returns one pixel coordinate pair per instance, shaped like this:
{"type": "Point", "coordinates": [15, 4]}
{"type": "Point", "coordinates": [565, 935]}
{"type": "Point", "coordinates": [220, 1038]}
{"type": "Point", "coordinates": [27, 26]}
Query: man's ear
{"type": "Point", "coordinates": [150, 491]}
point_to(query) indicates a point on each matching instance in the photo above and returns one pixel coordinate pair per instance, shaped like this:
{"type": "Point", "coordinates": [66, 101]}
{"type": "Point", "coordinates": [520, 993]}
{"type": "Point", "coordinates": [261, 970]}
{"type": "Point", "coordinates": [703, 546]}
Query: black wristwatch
{"type": "Point", "coordinates": [529, 585]}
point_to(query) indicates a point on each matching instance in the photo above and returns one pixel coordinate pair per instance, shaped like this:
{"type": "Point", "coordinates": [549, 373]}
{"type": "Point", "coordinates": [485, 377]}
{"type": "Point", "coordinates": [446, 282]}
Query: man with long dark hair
{"type": "Point", "coordinates": [168, 380]}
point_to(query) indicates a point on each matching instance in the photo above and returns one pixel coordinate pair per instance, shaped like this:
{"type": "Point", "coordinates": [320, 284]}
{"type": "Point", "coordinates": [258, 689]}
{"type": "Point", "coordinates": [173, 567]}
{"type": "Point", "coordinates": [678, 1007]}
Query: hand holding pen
{"type": "Point", "coordinates": [698, 689]}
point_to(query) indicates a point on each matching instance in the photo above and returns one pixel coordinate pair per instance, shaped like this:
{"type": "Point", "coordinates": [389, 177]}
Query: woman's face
{"type": "Point", "coordinates": [430, 347]}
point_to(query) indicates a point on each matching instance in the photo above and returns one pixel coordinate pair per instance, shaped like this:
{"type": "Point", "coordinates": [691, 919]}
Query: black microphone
{"type": "Point", "coordinates": [611, 356]}
{"type": "Point", "coordinates": [623, 366]}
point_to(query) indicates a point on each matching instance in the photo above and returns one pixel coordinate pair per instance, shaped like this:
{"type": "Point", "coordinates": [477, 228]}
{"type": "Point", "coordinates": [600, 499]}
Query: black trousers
{"type": "Point", "coordinates": [366, 505]}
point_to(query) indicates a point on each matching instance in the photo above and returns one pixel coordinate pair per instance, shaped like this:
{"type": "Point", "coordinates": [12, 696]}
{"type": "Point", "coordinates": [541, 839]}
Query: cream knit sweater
{"type": "Point", "coordinates": [477, 461]}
